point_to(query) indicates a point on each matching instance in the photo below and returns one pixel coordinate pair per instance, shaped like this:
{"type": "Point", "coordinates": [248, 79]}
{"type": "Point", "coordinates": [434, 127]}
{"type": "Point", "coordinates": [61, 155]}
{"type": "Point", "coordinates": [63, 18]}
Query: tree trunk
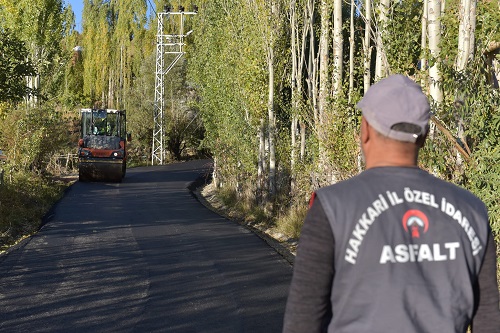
{"type": "Point", "coordinates": [293, 154]}
{"type": "Point", "coordinates": [464, 55]}
{"type": "Point", "coordinates": [473, 10]}
{"type": "Point", "coordinates": [270, 108]}
{"type": "Point", "coordinates": [366, 46]}
{"type": "Point", "coordinates": [381, 61]}
{"type": "Point", "coordinates": [302, 140]}
{"type": "Point", "coordinates": [352, 49]}
{"type": "Point", "coordinates": [493, 73]}
{"type": "Point", "coordinates": [434, 29]}
{"type": "Point", "coordinates": [293, 126]}
{"type": "Point", "coordinates": [338, 48]}
{"type": "Point", "coordinates": [215, 178]}
{"type": "Point", "coordinates": [466, 33]}
{"type": "Point", "coordinates": [312, 67]}
{"type": "Point", "coordinates": [323, 60]}
{"type": "Point", "coordinates": [324, 83]}
{"type": "Point", "coordinates": [298, 60]}
{"type": "Point", "coordinates": [423, 46]}
{"type": "Point", "coordinates": [261, 168]}
{"type": "Point", "coordinates": [272, 126]}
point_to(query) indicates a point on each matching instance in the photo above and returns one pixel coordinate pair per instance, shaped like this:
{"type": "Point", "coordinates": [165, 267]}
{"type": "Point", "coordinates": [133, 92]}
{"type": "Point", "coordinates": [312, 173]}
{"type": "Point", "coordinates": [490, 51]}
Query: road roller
{"type": "Point", "coordinates": [102, 147]}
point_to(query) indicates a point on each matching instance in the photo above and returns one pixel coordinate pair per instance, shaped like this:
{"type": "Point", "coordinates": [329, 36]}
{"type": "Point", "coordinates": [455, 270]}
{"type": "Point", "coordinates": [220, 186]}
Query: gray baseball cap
{"type": "Point", "coordinates": [397, 108]}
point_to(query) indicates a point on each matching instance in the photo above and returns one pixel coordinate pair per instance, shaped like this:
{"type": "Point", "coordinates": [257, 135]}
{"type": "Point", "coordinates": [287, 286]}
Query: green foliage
{"type": "Point", "coordinates": [483, 178]}
{"type": "Point", "coordinates": [229, 76]}
{"type": "Point", "coordinates": [114, 48]}
{"type": "Point", "coordinates": [73, 87]}
{"type": "Point", "coordinates": [402, 36]}
{"type": "Point", "coordinates": [139, 114]}
{"type": "Point", "coordinates": [342, 142]}
{"type": "Point", "coordinates": [14, 67]}
{"type": "Point", "coordinates": [96, 51]}
{"type": "Point", "coordinates": [228, 68]}
{"type": "Point", "coordinates": [473, 104]}
{"type": "Point", "coordinates": [482, 115]}
{"type": "Point", "coordinates": [487, 20]}
{"type": "Point", "coordinates": [30, 137]}
{"type": "Point", "coordinates": [40, 25]}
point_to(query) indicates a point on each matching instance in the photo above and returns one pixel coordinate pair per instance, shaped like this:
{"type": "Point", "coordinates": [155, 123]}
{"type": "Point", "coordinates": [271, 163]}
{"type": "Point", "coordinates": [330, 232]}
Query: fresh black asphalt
{"type": "Point", "coordinates": [142, 256]}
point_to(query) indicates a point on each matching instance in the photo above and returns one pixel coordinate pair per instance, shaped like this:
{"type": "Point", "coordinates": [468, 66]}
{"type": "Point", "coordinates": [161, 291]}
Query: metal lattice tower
{"type": "Point", "coordinates": [170, 46]}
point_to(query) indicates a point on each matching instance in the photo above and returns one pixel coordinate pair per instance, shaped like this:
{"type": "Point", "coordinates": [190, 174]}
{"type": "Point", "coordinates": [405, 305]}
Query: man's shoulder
{"type": "Point", "coordinates": [352, 182]}
{"type": "Point", "coordinates": [369, 177]}
{"type": "Point", "coordinates": [396, 177]}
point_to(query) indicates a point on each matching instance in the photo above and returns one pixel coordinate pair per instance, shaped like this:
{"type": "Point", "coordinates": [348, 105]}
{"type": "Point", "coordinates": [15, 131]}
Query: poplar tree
{"type": "Point", "coordinates": [434, 31]}
{"type": "Point", "coordinates": [128, 30]}
{"type": "Point", "coordinates": [96, 51]}
{"type": "Point", "coordinates": [40, 24]}
{"type": "Point", "coordinates": [14, 67]}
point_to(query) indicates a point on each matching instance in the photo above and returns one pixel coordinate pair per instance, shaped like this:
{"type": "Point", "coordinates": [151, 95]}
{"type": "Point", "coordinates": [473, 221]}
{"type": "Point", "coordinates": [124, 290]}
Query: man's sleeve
{"type": "Point", "coordinates": [308, 307]}
{"type": "Point", "coordinates": [487, 317]}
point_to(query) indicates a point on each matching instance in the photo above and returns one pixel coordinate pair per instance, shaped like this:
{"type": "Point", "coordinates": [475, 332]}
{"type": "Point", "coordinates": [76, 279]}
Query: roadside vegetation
{"type": "Point", "coordinates": [24, 201]}
{"type": "Point", "coordinates": [278, 82]}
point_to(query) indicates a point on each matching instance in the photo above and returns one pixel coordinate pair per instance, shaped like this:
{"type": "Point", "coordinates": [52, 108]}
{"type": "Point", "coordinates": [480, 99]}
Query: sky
{"type": "Point", "coordinates": [77, 6]}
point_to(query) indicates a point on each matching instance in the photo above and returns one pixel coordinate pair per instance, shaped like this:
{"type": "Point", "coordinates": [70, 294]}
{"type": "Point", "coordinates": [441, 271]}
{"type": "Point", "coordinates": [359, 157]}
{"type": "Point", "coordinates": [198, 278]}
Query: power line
{"type": "Point", "coordinates": [152, 7]}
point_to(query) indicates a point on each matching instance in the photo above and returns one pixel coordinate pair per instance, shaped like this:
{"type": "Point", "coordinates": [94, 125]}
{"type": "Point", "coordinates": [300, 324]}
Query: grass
{"type": "Point", "coordinates": [243, 208]}
{"type": "Point", "coordinates": [24, 200]}
{"type": "Point", "coordinates": [290, 223]}
{"type": "Point", "coordinates": [285, 225]}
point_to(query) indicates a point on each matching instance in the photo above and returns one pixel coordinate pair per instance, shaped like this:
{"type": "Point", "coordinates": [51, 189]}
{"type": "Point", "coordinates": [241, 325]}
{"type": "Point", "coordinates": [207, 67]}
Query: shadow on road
{"type": "Point", "coordinates": [142, 256]}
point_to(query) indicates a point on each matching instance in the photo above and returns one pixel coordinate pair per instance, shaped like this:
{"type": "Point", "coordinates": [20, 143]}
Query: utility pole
{"type": "Point", "coordinates": [169, 50]}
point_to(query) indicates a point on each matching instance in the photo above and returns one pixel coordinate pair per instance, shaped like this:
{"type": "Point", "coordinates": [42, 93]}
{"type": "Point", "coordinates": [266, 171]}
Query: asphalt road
{"type": "Point", "coordinates": [142, 256]}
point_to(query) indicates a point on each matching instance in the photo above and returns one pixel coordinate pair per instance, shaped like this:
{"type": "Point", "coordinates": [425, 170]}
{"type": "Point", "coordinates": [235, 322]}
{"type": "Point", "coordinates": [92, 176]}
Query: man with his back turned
{"type": "Point", "coordinates": [394, 249]}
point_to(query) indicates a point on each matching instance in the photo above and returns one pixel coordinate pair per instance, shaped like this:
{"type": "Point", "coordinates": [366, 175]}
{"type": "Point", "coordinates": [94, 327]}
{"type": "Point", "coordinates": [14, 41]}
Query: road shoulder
{"type": "Point", "coordinates": [205, 194]}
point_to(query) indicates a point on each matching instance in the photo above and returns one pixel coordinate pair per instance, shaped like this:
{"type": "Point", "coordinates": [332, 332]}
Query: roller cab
{"type": "Point", "coordinates": [102, 148]}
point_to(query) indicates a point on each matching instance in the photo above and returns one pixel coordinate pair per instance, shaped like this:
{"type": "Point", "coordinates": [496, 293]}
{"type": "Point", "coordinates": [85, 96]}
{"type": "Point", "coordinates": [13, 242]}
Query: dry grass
{"type": "Point", "coordinates": [284, 230]}
{"type": "Point", "coordinates": [23, 203]}
{"type": "Point", "coordinates": [291, 222]}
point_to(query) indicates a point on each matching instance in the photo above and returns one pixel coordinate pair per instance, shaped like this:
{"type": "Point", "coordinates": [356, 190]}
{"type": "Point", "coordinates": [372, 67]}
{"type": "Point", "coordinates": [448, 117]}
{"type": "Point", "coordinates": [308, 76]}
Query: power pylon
{"type": "Point", "coordinates": [171, 45]}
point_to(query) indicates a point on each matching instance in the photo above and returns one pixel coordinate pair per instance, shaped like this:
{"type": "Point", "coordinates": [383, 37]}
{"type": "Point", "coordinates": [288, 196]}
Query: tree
{"type": "Point", "coordinates": [40, 24]}
{"type": "Point", "coordinates": [96, 51]}
{"type": "Point", "coordinates": [127, 53]}
{"type": "Point", "coordinates": [14, 67]}
{"type": "Point", "coordinates": [381, 64]}
{"type": "Point", "coordinates": [434, 30]}
{"type": "Point", "coordinates": [228, 69]}
{"type": "Point", "coordinates": [367, 48]}
{"type": "Point", "coordinates": [324, 61]}
{"type": "Point", "coordinates": [299, 26]}
{"type": "Point", "coordinates": [338, 49]}
{"type": "Point", "coordinates": [352, 49]}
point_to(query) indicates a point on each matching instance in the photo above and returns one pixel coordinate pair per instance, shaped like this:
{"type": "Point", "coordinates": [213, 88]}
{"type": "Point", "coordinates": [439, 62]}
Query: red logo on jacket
{"type": "Point", "coordinates": [415, 221]}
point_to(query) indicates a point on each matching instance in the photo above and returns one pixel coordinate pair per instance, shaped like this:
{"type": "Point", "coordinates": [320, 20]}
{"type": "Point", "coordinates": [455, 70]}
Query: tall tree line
{"type": "Point", "coordinates": [278, 81]}
{"type": "Point", "coordinates": [40, 26]}
{"type": "Point", "coordinates": [114, 47]}
{"type": "Point", "coordinates": [109, 64]}
{"type": "Point", "coordinates": [31, 128]}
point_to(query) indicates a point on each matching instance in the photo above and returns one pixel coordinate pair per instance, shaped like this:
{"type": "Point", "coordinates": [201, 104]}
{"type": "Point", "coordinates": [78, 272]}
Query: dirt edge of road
{"type": "Point", "coordinates": [205, 194]}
